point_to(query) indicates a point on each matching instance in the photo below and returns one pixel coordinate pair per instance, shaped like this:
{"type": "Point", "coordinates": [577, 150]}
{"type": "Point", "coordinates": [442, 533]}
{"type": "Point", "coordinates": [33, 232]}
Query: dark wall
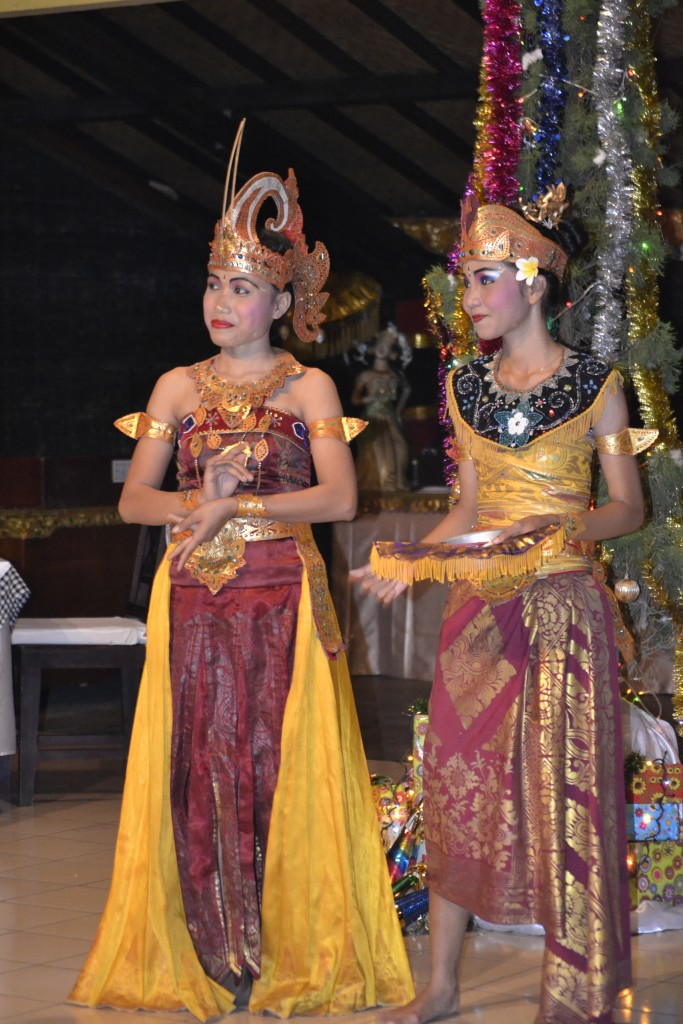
{"type": "Point", "coordinates": [97, 301]}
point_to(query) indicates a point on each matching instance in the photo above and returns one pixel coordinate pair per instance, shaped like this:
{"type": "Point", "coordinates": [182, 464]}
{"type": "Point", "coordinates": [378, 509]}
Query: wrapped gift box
{"type": "Point", "coordinates": [656, 870]}
{"type": "Point", "coordinates": [419, 732]}
{"type": "Point", "coordinates": [659, 820]}
{"type": "Point", "coordinates": [392, 806]}
{"type": "Point", "coordinates": [655, 782]}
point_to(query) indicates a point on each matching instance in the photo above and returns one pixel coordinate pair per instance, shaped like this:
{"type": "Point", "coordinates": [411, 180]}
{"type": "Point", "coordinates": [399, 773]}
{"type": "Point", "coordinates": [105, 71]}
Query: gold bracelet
{"type": "Point", "coordinates": [573, 525]}
{"type": "Point", "coordinates": [248, 505]}
{"type": "Point", "coordinates": [190, 498]}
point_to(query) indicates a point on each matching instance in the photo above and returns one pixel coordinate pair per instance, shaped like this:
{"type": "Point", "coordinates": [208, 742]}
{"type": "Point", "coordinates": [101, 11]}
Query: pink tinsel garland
{"type": "Point", "coordinates": [502, 132]}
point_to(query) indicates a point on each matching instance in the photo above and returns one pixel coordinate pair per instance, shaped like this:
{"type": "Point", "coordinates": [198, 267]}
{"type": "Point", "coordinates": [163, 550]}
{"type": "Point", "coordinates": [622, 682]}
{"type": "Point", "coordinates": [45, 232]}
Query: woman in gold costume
{"type": "Point", "coordinates": [523, 781]}
{"type": "Point", "coordinates": [249, 868]}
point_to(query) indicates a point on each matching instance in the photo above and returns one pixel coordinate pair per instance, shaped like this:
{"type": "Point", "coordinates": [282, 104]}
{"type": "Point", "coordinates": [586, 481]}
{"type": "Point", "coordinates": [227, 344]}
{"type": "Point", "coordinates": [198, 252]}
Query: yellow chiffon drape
{"type": "Point", "coordinates": [331, 939]}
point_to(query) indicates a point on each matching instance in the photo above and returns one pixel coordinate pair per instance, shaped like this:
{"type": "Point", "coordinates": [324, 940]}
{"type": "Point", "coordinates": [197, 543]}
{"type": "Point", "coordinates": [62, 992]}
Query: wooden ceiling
{"type": "Point", "coordinates": [371, 102]}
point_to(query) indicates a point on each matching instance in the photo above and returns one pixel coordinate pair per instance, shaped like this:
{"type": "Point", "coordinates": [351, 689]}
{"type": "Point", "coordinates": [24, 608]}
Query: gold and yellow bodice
{"type": "Point", "coordinates": [533, 451]}
{"type": "Point", "coordinates": [533, 455]}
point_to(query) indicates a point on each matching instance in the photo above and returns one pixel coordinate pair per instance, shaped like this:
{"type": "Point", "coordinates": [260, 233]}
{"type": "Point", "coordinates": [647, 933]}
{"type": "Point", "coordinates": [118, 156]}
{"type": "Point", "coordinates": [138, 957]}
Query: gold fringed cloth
{"type": "Point", "coordinates": [410, 562]}
{"type": "Point", "coordinates": [331, 938]}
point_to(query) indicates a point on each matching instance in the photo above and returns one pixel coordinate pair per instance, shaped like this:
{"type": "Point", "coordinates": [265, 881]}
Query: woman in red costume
{"type": "Point", "coordinates": [523, 783]}
{"type": "Point", "coordinates": [249, 867]}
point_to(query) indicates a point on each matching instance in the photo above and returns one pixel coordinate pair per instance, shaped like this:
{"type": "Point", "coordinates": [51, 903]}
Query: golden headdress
{"type": "Point", "coordinates": [236, 244]}
{"type": "Point", "coordinates": [498, 233]}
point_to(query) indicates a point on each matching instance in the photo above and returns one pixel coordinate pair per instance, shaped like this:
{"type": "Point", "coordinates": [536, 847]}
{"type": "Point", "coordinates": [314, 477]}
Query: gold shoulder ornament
{"type": "Point", "coordinates": [344, 428]}
{"type": "Point", "coordinates": [629, 441]}
{"type": "Point", "coordinates": [140, 424]}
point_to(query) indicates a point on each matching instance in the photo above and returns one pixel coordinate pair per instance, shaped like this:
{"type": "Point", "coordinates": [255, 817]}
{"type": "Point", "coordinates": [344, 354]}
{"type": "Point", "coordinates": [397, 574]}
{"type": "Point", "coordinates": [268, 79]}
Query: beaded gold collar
{"type": "Point", "coordinates": [235, 400]}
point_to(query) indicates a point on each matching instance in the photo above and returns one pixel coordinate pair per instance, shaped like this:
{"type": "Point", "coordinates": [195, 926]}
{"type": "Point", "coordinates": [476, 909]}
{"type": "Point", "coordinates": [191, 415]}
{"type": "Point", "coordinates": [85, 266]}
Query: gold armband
{"type": "Point", "coordinates": [249, 506]}
{"type": "Point", "coordinates": [461, 452]}
{"type": "Point", "coordinates": [628, 441]}
{"type": "Point", "coordinates": [140, 424]}
{"type": "Point", "coordinates": [343, 428]}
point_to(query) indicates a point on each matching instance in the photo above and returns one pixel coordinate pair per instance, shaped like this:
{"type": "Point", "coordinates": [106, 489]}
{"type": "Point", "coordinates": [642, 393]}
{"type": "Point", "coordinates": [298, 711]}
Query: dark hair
{"type": "Point", "coordinates": [277, 242]}
{"type": "Point", "coordinates": [572, 237]}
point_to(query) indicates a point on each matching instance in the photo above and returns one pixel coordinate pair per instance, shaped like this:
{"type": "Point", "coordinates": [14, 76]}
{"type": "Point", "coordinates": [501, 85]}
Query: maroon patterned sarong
{"type": "Point", "coordinates": [524, 798]}
{"type": "Point", "coordinates": [231, 662]}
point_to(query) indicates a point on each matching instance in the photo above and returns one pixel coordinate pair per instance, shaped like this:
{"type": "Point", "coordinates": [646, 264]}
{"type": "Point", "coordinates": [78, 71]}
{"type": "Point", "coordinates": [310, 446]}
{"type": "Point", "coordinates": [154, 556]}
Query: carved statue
{"type": "Point", "coordinates": [383, 391]}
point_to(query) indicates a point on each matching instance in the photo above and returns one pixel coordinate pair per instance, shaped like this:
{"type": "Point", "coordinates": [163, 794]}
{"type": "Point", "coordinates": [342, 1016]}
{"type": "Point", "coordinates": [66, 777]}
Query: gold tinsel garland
{"type": "Point", "coordinates": [462, 343]}
{"type": "Point", "coordinates": [642, 302]}
{"type": "Point", "coordinates": [484, 116]}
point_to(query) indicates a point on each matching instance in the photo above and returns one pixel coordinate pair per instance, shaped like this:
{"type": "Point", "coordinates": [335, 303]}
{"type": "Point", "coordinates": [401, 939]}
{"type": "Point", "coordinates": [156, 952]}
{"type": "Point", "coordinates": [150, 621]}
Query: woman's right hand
{"type": "Point", "coordinates": [384, 591]}
{"type": "Point", "coordinates": [201, 524]}
{"type": "Point", "coordinates": [225, 471]}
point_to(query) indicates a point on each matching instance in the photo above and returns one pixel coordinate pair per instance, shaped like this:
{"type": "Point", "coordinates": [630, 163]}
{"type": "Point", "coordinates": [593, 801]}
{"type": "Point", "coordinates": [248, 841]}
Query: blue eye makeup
{"type": "Point", "coordinates": [483, 277]}
{"type": "Point", "coordinates": [488, 276]}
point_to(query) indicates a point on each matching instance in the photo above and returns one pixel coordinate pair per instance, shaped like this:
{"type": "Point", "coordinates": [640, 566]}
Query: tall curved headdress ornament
{"type": "Point", "coordinates": [236, 244]}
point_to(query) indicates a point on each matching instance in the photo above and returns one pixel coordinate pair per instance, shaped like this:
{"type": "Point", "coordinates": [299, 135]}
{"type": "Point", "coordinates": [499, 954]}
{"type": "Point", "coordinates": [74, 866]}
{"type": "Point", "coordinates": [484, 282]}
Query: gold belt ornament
{"type": "Point", "coordinates": [219, 560]}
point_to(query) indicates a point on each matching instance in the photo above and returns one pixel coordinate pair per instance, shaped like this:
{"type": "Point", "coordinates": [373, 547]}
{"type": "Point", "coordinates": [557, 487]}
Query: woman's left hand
{"type": "Point", "coordinates": [223, 473]}
{"type": "Point", "coordinates": [527, 525]}
{"type": "Point", "coordinates": [384, 591]}
{"type": "Point", "coordinates": [200, 525]}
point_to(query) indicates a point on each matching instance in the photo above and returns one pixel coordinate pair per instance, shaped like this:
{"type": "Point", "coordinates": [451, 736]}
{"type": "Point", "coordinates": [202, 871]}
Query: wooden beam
{"type": "Point", "coordinates": [15, 8]}
{"type": "Point", "coordinates": [99, 166]}
{"type": "Point", "coordinates": [132, 73]}
{"type": "Point", "coordinates": [394, 89]}
{"type": "Point", "coordinates": [382, 151]}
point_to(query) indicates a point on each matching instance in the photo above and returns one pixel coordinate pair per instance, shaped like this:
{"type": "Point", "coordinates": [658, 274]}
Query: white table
{"type": "Point", "coordinates": [13, 596]}
{"type": "Point", "coordinates": [400, 640]}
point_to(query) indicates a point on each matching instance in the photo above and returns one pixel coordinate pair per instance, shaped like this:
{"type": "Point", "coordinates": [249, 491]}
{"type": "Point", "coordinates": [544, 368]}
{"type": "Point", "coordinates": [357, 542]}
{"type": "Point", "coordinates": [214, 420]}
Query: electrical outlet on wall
{"type": "Point", "coordinates": [119, 470]}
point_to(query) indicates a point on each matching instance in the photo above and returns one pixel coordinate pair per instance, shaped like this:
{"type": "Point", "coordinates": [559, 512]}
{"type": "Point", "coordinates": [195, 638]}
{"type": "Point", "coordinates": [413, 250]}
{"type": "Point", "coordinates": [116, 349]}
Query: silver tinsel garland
{"type": "Point", "coordinates": [609, 77]}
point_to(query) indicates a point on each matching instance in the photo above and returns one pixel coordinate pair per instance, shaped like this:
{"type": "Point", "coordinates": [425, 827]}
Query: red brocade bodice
{"type": "Point", "coordinates": [280, 456]}
{"type": "Point", "coordinates": [280, 460]}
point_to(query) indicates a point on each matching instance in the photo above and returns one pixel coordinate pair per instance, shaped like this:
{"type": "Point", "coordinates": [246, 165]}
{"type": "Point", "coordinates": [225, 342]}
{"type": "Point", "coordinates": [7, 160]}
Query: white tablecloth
{"type": "Point", "coordinates": [13, 595]}
{"type": "Point", "coordinates": [400, 640]}
{"type": "Point", "coordinates": [113, 629]}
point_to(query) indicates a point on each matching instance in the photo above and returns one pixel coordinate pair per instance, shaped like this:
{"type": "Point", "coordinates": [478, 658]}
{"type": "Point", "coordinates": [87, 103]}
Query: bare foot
{"type": "Point", "coordinates": [429, 1005]}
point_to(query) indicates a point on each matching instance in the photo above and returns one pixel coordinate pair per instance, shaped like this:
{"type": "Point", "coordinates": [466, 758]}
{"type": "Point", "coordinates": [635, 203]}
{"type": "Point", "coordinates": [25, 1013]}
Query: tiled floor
{"type": "Point", "coordinates": [55, 864]}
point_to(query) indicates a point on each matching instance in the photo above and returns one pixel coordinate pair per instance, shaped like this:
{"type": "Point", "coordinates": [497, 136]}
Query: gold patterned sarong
{"type": "Point", "coordinates": [524, 807]}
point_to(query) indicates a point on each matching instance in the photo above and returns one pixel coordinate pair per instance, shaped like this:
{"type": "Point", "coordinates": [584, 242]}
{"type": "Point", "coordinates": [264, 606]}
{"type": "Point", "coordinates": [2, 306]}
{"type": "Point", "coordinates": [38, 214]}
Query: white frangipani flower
{"type": "Point", "coordinates": [527, 270]}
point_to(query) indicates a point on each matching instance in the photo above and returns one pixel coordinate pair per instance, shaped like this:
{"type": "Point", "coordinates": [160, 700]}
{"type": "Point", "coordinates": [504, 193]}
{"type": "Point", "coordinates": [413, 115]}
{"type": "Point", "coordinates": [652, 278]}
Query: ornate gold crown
{"type": "Point", "coordinates": [236, 244]}
{"type": "Point", "coordinates": [497, 233]}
